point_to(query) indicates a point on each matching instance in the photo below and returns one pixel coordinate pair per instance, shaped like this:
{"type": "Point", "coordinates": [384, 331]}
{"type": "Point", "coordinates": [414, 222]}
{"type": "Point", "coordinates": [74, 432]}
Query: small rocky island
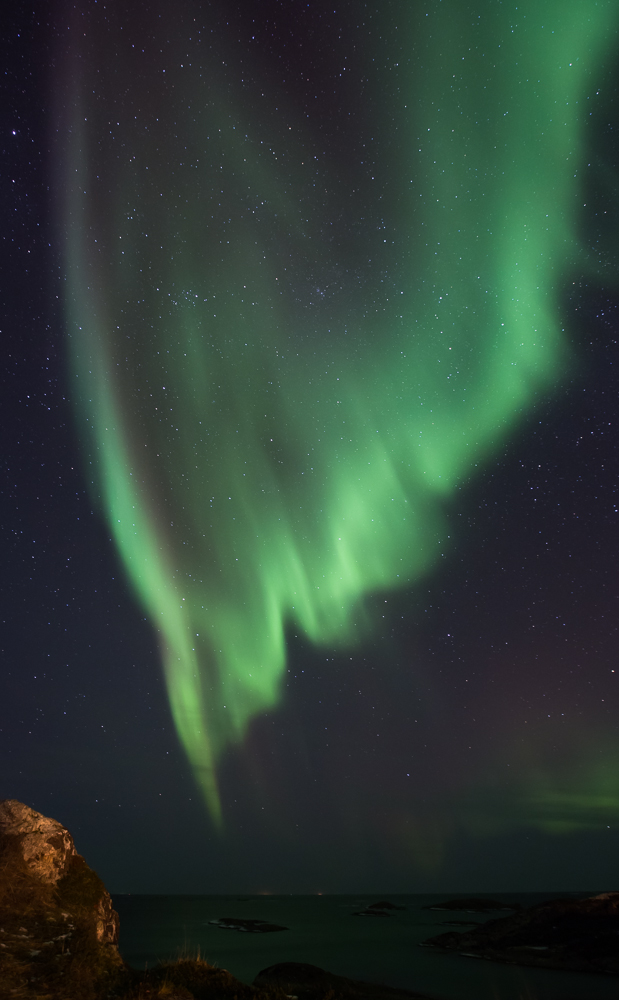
{"type": "Point", "coordinates": [246, 926]}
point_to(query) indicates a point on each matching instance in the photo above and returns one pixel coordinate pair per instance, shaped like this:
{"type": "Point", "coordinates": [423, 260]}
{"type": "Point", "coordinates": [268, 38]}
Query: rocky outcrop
{"type": "Point", "coordinates": [58, 929]}
{"type": "Point", "coordinates": [43, 843]}
{"type": "Point", "coordinates": [574, 935]}
{"type": "Point", "coordinates": [300, 981]}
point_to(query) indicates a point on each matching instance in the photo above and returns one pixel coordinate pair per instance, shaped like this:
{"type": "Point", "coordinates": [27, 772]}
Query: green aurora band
{"type": "Point", "coordinates": [265, 464]}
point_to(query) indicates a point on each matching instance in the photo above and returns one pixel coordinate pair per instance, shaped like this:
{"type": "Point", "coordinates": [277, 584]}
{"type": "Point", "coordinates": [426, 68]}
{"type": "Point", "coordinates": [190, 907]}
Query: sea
{"type": "Point", "coordinates": [325, 931]}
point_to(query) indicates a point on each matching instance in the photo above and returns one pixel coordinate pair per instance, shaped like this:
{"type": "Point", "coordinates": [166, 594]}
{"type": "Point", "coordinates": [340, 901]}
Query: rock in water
{"type": "Point", "coordinates": [248, 926]}
{"type": "Point", "coordinates": [473, 905]}
{"type": "Point", "coordinates": [58, 930]}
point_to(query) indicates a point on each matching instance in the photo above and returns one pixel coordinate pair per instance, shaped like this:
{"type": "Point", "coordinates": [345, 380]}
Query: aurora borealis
{"type": "Point", "coordinates": [321, 270]}
{"type": "Point", "coordinates": [261, 468]}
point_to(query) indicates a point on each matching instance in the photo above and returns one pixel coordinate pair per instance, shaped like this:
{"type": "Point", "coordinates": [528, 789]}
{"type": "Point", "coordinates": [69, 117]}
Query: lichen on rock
{"type": "Point", "coordinates": [58, 929]}
{"type": "Point", "coordinates": [44, 843]}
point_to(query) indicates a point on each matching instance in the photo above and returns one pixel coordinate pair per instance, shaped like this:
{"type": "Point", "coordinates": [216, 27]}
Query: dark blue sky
{"type": "Point", "coordinates": [385, 770]}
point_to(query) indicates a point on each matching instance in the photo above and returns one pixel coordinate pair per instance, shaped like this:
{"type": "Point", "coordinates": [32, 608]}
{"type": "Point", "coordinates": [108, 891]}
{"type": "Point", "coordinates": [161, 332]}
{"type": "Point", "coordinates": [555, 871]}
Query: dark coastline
{"type": "Point", "coordinates": [63, 937]}
{"type": "Point", "coordinates": [570, 935]}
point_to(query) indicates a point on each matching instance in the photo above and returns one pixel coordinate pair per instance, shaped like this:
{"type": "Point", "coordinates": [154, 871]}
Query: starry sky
{"type": "Point", "coordinates": [309, 399]}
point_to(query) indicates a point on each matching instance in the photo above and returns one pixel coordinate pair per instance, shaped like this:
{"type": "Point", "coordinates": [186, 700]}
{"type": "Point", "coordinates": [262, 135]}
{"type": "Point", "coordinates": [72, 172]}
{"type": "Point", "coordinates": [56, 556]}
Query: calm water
{"type": "Point", "coordinates": [323, 931]}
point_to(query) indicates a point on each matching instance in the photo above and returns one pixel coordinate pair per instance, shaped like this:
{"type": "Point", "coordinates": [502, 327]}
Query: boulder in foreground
{"type": "Point", "coordinates": [58, 930]}
{"type": "Point", "coordinates": [308, 982]}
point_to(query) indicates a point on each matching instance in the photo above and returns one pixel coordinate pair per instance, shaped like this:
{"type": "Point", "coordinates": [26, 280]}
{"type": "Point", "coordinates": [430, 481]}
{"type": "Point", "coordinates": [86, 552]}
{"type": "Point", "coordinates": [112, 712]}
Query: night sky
{"type": "Point", "coordinates": [294, 599]}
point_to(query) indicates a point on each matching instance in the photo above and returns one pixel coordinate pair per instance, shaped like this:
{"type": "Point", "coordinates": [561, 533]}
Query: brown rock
{"type": "Point", "coordinates": [58, 930]}
{"type": "Point", "coordinates": [44, 844]}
